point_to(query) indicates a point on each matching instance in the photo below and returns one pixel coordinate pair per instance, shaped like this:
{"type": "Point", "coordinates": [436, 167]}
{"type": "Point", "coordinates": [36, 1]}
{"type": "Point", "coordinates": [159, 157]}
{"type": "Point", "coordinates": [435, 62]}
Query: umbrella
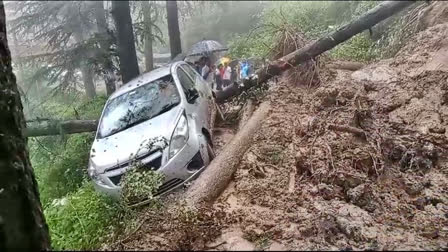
{"type": "Point", "coordinates": [224, 60]}
{"type": "Point", "coordinates": [205, 47]}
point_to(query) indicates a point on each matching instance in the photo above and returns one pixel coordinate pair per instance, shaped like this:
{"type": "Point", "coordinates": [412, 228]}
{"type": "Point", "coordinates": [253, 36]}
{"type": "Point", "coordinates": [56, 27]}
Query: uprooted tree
{"type": "Point", "coordinates": [302, 55]}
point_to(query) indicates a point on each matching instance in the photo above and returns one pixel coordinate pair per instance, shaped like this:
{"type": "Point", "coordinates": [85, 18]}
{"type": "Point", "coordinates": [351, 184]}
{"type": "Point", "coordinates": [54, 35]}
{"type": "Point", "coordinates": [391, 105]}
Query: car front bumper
{"type": "Point", "coordinates": [176, 170]}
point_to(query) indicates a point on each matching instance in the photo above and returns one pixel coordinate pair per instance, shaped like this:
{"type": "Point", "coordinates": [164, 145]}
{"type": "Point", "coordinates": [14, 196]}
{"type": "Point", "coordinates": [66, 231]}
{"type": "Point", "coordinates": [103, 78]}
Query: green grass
{"type": "Point", "coordinates": [82, 219]}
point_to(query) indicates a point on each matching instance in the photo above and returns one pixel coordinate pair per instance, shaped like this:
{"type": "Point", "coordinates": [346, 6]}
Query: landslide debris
{"type": "Point", "coordinates": [357, 160]}
{"type": "Point", "coordinates": [308, 185]}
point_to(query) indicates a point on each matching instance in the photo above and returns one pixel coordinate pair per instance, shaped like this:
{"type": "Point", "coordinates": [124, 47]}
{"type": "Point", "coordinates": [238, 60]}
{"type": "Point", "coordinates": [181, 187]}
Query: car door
{"type": "Point", "coordinates": [197, 108]}
{"type": "Point", "coordinates": [203, 88]}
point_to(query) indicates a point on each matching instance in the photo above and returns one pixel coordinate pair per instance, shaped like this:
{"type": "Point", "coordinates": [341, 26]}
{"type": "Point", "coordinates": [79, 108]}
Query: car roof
{"type": "Point", "coordinates": [143, 79]}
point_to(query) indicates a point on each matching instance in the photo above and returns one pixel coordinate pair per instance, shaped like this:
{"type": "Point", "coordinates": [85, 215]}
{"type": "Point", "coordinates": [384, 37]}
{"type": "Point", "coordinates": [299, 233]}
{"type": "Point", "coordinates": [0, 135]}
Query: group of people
{"type": "Point", "coordinates": [223, 74]}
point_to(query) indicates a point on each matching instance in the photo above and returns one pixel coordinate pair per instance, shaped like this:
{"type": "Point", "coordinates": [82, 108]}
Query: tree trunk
{"type": "Point", "coordinates": [346, 65]}
{"type": "Point", "coordinates": [149, 61]}
{"type": "Point", "coordinates": [89, 85]}
{"type": "Point", "coordinates": [101, 23]}
{"type": "Point", "coordinates": [65, 127]}
{"type": "Point", "coordinates": [173, 28]}
{"type": "Point", "coordinates": [125, 40]}
{"type": "Point", "coordinates": [246, 113]}
{"type": "Point", "coordinates": [22, 223]}
{"type": "Point", "coordinates": [366, 21]}
{"type": "Point", "coordinates": [216, 177]}
{"type": "Point", "coordinates": [86, 71]}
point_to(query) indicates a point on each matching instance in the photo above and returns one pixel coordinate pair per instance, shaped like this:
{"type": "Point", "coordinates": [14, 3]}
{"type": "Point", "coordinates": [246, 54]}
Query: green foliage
{"type": "Point", "coordinates": [358, 48]}
{"type": "Point", "coordinates": [60, 164]}
{"type": "Point", "coordinates": [140, 184]}
{"type": "Point", "coordinates": [241, 46]}
{"type": "Point", "coordinates": [312, 18]}
{"type": "Point", "coordinates": [66, 171]}
{"type": "Point", "coordinates": [81, 220]}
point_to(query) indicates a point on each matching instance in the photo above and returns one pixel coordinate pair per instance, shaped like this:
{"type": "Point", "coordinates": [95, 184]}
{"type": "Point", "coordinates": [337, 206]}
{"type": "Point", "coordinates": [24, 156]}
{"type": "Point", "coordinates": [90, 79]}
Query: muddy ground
{"type": "Point", "coordinates": [311, 182]}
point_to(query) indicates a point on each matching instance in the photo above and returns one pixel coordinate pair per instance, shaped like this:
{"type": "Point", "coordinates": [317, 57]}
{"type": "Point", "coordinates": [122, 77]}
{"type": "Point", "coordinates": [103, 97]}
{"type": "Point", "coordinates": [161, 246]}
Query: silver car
{"type": "Point", "coordinates": [172, 102]}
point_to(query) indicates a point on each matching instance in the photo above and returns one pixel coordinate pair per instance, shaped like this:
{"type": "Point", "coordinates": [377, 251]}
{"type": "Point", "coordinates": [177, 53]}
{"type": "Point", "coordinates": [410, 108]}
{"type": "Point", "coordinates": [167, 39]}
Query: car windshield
{"type": "Point", "coordinates": [139, 105]}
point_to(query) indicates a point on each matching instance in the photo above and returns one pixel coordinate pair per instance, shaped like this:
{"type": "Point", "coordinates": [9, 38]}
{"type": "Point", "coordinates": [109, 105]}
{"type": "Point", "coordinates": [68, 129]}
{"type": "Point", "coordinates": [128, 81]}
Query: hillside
{"type": "Point", "coordinates": [356, 161]}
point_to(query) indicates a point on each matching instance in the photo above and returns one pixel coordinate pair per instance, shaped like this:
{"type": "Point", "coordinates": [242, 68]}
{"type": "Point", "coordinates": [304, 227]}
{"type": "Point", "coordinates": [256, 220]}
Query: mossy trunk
{"type": "Point", "coordinates": [149, 58]}
{"type": "Point", "coordinates": [125, 40]}
{"type": "Point", "coordinates": [173, 28]}
{"type": "Point", "coordinates": [108, 66]}
{"type": "Point", "coordinates": [22, 223]}
{"type": "Point", "coordinates": [86, 71]}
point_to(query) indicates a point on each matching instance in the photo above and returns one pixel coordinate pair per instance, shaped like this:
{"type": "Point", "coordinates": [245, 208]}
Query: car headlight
{"type": "Point", "coordinates": [93, 174]}
{"type": "Point", "coordinates": [180, 136]}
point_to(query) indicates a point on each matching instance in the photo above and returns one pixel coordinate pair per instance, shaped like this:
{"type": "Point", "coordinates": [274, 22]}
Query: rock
{"type": "Point", "coordinates": [431, 234]}
{"type": "Point", "coordinates": [414, 188]}
{"type": "Point", "coordinates": [355, 223]}
{"type": "Point", "coordinates": [420, 203]}
{"type": "Point", "coordinates": [348, 181]}
{"type": "Point", "coordinates": [275, 246]}
{"type": "Point", "coordinates": [326, 191]}
{"type": "Point", "coordinates": [362, 196]}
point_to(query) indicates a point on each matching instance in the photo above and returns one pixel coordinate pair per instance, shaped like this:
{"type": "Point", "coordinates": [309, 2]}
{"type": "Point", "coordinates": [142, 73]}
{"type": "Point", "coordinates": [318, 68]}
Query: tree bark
{"type": "Point", "coordinates": [108, 66]}
{"type": "Point", "coordinates": [346, 65]}
{"type": "Point", "coordinates": [64, 127]}
{"type": "Point", "coordinates": [310, 51]}
{"type": "Point", "coordinates": [86, 71]}
{"type": "Point", "coordinates": [125, 40]}
{"type": "Point", "coordinates": [173, 28]}
{"type": "Point", "coordinates": [216, 177]}
{"type": "Point", "coordinates": [246, 113]}
{"type": "Point", "coordinates": [149, 61]}
{"type": "Point", "coordinates": [22, 223]}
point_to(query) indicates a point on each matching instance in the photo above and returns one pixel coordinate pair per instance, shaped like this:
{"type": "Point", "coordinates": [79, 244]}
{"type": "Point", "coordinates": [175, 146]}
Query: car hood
{"type": "Point", "coordinates": [117, 148]}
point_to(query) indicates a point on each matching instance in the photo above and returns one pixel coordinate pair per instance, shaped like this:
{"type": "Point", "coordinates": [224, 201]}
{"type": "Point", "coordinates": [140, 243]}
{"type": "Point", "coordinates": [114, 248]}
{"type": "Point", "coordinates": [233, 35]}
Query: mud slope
{"type": "Point", "coordinates": [304, 186]}
{"type": "Point", "coordinates": [359, 162]}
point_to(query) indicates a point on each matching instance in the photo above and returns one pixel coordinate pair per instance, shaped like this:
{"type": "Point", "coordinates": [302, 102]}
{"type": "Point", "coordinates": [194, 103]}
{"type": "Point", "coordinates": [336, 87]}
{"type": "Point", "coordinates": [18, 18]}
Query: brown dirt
{"type": "Point", "coordinates": [302, 186]}
{"type": "Point", "coordinates": [305, 187]}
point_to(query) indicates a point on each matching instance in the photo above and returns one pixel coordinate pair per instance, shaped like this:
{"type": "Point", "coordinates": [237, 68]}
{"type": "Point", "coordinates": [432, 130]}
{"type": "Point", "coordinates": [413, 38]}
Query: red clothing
{"type": "Point", "coordinates": [221, 71]}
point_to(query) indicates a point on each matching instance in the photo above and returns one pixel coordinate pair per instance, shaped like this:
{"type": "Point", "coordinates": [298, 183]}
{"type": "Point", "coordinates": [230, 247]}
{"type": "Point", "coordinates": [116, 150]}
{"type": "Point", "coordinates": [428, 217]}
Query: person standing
{"type": "Point", "coordinates": [227, 74]}
{"type": "Point", "coordinates": [205, 72]}
{"type": "Point", "coordinates": [218, 77]}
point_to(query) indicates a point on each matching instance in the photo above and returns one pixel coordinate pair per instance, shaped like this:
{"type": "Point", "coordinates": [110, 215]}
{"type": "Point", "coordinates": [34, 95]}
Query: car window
{"type": "Point", "coordinates": [139, 105]}
{"type": "Point", "coordinates": [190, 70]}
{"type": "Point", "coordinates": [186, 82]}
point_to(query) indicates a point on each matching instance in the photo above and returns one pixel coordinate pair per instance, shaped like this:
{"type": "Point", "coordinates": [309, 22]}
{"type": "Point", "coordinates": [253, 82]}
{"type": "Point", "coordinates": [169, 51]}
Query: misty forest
{"type": "Point", "coordinates": [223, 125]}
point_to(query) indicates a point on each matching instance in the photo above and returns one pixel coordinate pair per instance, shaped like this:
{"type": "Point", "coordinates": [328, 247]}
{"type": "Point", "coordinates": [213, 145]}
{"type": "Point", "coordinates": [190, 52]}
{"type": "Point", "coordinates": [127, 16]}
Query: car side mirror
{"type": "Point", "coordinates": [192, 95]}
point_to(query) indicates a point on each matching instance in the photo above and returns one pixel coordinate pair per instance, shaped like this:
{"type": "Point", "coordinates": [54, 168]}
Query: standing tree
{"type": "Point", "coordinates": [63, 38]}
{"type": "Point", "coordinates": [22, 223]}
{"type": "Point", "coordinates": [105, 43]}
{"type": "Point", "coordinates": [125, 40]}
{"type": "Point", "coordinates": [149, 59]}
{"type": "Point", "coordinates": [173, 28]}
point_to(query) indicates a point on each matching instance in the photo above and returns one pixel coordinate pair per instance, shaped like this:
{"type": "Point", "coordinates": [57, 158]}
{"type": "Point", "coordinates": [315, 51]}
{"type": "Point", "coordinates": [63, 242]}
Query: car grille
{"type": "Point", "coordinates": [168, 186]}
{"type": "Point", "coordinates": [122, 165]}
{"type": "Point", "coordinates": [154, 164]}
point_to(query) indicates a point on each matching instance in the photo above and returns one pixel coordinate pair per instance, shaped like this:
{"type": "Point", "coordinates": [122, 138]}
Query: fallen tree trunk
{"type": "Point", "coordinates": [246, 113]}
{"type": "Point", "coordinates": [366, 21]}
{"type": "Point", "coordinates": [216, 177]}
{"type": "Point", "coordinates": [346, 65]}
{"type": "Point", "coordinates": [58, 127]}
